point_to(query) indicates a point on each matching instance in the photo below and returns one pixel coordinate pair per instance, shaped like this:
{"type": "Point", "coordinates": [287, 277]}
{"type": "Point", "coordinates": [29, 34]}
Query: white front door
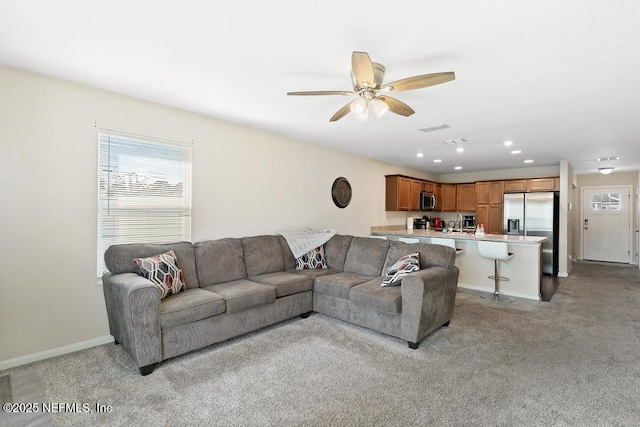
{"type": "Point", "coordinates": [606, 224]}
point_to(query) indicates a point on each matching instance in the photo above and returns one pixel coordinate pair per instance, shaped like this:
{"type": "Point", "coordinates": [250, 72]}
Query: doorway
{"type": "Point", "coordinates": [606, 224]}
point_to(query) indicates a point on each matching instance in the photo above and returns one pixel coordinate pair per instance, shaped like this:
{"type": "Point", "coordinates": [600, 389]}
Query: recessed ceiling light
{"type": "Point", "coordinates": [603, 159]}
{"type": "Point", "coordinates": [458, 168]}
{"type": "Point", "coordinates": [419, 154]}
{"type": "Point", "coordinates": [528, 161]}
{"type": "Point", "coordinates": [459, 149]}
{"type": "Point", "coordinates": [507, 143]}
{"type": "Point", "coordinates": [437, 160]}
{"type": "Point", "coordinates": [516, 152]}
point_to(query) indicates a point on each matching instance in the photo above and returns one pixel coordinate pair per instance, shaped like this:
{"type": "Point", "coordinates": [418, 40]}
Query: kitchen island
{"type": "Point", "coordinates": [524, 270]}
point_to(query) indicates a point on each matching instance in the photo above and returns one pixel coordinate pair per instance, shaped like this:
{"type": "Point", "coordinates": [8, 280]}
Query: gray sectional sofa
{"type": "Point", "coordinates": [238, 285]}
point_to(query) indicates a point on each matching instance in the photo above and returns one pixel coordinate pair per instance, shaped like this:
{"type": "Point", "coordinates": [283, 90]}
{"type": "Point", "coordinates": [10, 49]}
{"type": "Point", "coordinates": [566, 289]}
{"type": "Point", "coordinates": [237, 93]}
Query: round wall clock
{"type": "Point", "coordinates": [341, 192]}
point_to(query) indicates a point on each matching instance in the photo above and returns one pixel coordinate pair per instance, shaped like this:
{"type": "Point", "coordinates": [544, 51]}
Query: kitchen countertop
{"type": "Point", "coordinates": [401, 230]}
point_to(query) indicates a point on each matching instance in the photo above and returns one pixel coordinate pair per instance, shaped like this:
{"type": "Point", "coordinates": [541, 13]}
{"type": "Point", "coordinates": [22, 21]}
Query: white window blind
{"type": "Point", "coordinates": [144, 191]}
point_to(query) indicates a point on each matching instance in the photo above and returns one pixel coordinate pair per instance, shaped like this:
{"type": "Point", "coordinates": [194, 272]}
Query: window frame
{"type": "Point", "coordinates": [138, 209]}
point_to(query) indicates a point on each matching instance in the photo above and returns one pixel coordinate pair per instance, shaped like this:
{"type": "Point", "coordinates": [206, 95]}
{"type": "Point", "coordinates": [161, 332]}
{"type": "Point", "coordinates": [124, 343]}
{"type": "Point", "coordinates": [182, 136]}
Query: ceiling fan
{"type": "Point", "coordinates": [366, 77]}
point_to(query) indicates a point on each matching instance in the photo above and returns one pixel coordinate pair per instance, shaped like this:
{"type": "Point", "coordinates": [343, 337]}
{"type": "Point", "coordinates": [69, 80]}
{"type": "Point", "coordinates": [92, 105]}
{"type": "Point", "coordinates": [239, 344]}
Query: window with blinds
{"type": "Point", "coordinates": [144, 191]}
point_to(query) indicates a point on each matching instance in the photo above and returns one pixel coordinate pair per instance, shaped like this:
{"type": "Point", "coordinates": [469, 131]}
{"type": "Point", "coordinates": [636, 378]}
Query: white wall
{"type": "Point", "coordinates": [566, 221]}
{"type": "Point", "coordinates": [245, 182]}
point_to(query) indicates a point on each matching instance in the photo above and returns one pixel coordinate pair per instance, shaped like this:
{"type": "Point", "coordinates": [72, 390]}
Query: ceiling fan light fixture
{"type": "Point", "coordinates": [378, 107]}
{"type": "Point", "coordinates": [606, 170]}
{"type": "Point", "coordinates": [359, 107]}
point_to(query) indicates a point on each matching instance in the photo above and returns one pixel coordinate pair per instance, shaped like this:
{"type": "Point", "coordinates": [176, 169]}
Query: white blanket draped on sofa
{"type": "Point", "coordinates": [302, 242]}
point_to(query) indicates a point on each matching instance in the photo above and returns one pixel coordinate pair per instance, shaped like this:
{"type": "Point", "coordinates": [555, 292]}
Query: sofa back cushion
{"type": "Point", "coordinates": [366, 256]}
{"type": "Point", "coordinates": [430, 255]}
{"type": "Point", "coordinates": [335, 251]}
{"type": "Point", "coordinates": [262, 255]}
{"type": "Point", "coordinates": [219, 261]}
{"type": "Point", "coordinates": [119, 258]}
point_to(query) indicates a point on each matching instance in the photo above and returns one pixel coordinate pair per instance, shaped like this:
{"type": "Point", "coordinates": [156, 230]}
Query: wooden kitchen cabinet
{"type": "Point", "coordinates": [489, 192]}
{"type": "Point", "coordinates": [398, 193]}
{"type": "Point", "coordinates": [449, 197]}
{"type": "Point", "coordinates": [516, 186]}
{"type": "Point", "coordinates": [437, 191]}
{"type": "Point", "coordinates": [414, 195]}
{"type": "Point", "coordinates": [466, 197]}
{"type": "Point", "coordinates": [496, 192]}
{"type": "Point", "coordinates": [489, 196]}
{"type": "Point", "coordinates": [495, 220]}
{"type": "Point", "coordinates": [544, 184]}
{"type": "Point", "coordinates": [491, 217]}
{"type": "Point", "coordinates": [482, 193]}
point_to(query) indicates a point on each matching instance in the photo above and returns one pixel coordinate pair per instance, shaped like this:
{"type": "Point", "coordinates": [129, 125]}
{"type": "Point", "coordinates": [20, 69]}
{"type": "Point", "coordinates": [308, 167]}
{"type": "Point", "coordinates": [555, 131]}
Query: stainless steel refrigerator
{"type": "Point", "coordinates": [535, 214]}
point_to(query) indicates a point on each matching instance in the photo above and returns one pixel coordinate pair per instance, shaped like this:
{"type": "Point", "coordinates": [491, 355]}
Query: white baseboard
{"type": "Point", "coordinates": [491, 289]}
{"type": "Point", "coordinates": [30, 358]}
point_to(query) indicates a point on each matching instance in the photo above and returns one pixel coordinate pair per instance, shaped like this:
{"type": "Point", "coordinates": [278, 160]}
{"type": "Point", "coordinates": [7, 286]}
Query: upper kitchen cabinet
{"type": "Point", "coordinates": [437, 191]}
{"type": "Point", "coordinates": [496, 192]}
{"type": "Point", "coordinates": [466, 197]}
{"type": "Point", "coordinates": [532, 185]}
{"type": "Point", "coordinates": [482, 193]}
{"type": "Point", "coordinates": [415, 188]}
{"type": "Point", "coordinates": [489, 192]}
{"type": "Point", "coordinates": [398, 193]}
{"type": "Point", "coordinates": [544, 184]}
{"type": "Point", "coordinates": [516, 186]}
{"type": "Point", "coordinates": [449, 196]}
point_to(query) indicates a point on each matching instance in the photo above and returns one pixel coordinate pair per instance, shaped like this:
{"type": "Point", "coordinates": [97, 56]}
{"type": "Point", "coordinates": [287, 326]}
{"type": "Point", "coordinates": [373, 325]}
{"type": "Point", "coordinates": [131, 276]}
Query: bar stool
{"type": "Point", "coordinates": [447, 242]}
{"type": "Point", "coordinates": [408, 240]}
{"type": "Point", "coordinates": [497, 251]}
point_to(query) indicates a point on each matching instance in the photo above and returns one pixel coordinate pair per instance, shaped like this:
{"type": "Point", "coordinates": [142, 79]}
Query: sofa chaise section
{"type": "Point", "coordinates": [421, 304]}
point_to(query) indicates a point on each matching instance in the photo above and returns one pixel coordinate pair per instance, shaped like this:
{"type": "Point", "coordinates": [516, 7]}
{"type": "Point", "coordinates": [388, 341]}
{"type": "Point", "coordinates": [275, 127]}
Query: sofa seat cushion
{"type": "Point", "coordinates": [379, 298]}
{"type": "Point", "coordinates": [313, 273]}
{"type": "Point", "coordinates": [243, 294]}
{"type": "Point", "coordinates": [190, 306]}
{"type": "Point", "coordinates": [285, 283]}
{"type": "Point", "coordinates": [339, 284]}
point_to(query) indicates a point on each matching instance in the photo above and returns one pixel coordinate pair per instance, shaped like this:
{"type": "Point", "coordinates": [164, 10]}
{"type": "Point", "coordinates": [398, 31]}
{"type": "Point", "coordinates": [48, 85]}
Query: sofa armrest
{"type": "Point", "coordinates": [428, 297]}
{"type": "Point", "coordinates": [133, 307]}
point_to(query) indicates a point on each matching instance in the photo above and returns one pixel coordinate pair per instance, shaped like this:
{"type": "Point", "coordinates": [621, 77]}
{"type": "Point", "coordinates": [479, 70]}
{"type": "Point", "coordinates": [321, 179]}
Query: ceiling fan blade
{"type": "Point", "coordinates": [323, 92]}
{"type": "Point", "coordinates": [418, 82]}
{"type": "Point", "coordinates": [362, 68]}
{"type": "Point", "coordinates": [397, 106]}
{"type": "Point", "coordinates": [341, 113]}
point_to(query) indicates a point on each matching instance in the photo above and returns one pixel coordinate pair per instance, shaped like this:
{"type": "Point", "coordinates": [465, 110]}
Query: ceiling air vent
{"type": "Point", "coordinates": [434, 127]}
{"type": "Point", "coordinates": [454, 141]}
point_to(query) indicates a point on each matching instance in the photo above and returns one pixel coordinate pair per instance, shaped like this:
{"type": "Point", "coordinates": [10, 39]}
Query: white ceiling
{"type": "Point", "coordinates": [558, 78]}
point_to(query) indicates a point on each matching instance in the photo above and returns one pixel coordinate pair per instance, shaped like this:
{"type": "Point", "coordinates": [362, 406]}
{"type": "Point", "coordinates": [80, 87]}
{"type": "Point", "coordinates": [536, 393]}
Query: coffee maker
{"type": "Point", "coordinates": [421, 223]}
{"type": "Point", "coordinates": [469, 221]}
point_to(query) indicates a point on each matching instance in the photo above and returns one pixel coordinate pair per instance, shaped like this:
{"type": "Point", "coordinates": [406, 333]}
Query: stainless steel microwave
{"type": "Point", "coordinates": [427, 202]}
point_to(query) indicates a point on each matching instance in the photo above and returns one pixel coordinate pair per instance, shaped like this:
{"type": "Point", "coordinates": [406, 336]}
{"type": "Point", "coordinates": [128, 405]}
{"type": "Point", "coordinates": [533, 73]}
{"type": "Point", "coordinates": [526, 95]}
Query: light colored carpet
{"type": "Point", "coordinates": [574, 361]}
